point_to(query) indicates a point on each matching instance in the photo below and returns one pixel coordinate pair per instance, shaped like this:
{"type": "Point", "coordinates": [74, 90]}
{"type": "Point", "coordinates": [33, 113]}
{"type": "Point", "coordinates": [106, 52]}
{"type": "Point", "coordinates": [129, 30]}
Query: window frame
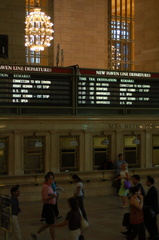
{"type": "Point", "coordinates": [137, 151]}
{"type": "Point", "coordinates": [64, 150]}
{"type": "Point", "coordinates": [121, 20]}
{"type": "Point", "coordinates": [104, 149]}
{"type": "Point", "coordinates": [34, 151]}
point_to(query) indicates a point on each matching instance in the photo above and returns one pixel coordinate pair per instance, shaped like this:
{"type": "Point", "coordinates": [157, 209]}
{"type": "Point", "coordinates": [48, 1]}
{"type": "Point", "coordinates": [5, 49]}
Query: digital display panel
{"type": "Point", "coordinates": [35, 89]}
{"type": "Point", "coordinates": [118, 90]}
{"type": "Point", "coordinates": [64, 87]}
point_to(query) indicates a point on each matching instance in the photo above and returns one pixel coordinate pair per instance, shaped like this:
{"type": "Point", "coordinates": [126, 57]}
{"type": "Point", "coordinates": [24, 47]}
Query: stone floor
{"type": "Point", "coordinates": [104, 214]}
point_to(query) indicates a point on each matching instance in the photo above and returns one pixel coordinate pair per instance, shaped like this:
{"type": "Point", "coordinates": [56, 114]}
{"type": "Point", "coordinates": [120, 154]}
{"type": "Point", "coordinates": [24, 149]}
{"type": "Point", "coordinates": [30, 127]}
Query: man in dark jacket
{"type": "Point", "coordinates": [151, 209]}
{"type": "Point", "coordinates": [136, 182]}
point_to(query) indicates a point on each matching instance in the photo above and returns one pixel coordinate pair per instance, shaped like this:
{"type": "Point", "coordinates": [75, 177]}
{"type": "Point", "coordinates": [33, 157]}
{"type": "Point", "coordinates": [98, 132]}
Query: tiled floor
{"type": "Point", "coordinates": [104, 214]}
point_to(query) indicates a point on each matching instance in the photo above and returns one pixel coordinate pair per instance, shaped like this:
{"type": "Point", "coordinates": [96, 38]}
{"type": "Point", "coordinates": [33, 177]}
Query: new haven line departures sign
{"type": "Point", "coordinates": [53, 86]}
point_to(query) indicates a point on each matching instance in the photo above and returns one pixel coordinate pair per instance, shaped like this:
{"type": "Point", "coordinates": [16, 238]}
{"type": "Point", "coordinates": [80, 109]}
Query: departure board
{"type": "Point", "coordinates": [67, 87]}
{"type": "Point", "coordinates": [119, 90]}
{"type": "Point", "coordinates": [36, 89]}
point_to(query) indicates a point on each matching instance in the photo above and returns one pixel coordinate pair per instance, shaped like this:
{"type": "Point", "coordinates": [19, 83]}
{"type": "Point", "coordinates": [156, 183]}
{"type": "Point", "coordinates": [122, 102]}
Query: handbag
{"type": "Point", "coordinates": [84, 222]}
{"type": "Point", "coordinates": [116, 183]}
{"type": "Point", "coordinates": [127, 184]}
{"type": "Point", "coordinates": [126, 219]}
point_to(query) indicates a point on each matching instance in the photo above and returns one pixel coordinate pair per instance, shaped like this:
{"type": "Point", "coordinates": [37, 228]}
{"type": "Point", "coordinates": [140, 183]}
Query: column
{"type": "Point", "coordinates": [19, 148]}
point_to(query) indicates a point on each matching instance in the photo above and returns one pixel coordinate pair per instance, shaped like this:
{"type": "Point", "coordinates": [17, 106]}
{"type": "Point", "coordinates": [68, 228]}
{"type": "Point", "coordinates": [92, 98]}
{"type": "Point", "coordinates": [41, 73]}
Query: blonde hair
{"type": "Point", "coordinates": [125, 164]}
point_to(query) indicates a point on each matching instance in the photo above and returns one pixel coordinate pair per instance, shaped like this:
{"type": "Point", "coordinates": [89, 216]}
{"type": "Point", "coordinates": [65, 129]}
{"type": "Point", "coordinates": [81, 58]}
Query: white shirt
{"type": "Point", "coordinates": [78, 184]}
{"type": "Point", "coordinates": [123, 174]}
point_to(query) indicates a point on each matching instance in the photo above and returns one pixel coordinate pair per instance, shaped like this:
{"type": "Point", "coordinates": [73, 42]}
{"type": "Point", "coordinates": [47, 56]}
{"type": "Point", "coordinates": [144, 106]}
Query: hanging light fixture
{"type": "Point", "coordinates": [38, 31]}
{"type": "Point", "coordinates": [105, 141]}
{"type": "Point", "coordinates": [73, 141]}
{"type": "Point", "coordinates": [38, 143]}
{"type": "Point", "coordinates": [135, 140]}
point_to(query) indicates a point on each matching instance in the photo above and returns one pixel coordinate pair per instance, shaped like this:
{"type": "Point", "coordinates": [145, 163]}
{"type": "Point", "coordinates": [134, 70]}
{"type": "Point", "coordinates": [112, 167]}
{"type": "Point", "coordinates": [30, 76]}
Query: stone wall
{"type": "Point", "coordinates": [81, 30]}
{"type": "Point", "coordinates": [146, 35]}
{"type": "Point", "coordinates": [97, 182]}
{"type": "Point", "coordinates": [12, 23]}
{"type": "Point", "coordinates": [16, 128]}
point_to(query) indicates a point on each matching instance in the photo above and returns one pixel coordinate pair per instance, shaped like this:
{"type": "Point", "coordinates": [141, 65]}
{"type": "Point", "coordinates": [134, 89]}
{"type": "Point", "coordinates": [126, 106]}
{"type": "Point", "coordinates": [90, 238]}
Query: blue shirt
{"type": "Point", "coordinates": [53, 185]}
{"type": "Point", "coordinates": [118, 166]}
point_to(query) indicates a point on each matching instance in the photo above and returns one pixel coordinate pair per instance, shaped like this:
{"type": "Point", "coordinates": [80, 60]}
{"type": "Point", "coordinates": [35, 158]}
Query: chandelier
{"type": "Point", "coordinates": [38, 31]}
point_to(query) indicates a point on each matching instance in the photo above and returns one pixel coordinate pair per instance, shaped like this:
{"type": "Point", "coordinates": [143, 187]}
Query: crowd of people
{"type": "Point", "coordinates": [143, 207]}
{"type": "Point", "coordinates": [142, 214]}
{"type": "Point", "coordinates": [74, 218]}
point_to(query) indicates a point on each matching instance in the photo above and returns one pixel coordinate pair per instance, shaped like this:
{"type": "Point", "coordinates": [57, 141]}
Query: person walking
{"type": "Point", "coordinates": [136, 183]}
{"type": "Point", "coordinates": [151, 209]}
{"type": "Point", "coordinates": [55, 188]}
{"type": "Point", "coordinates": [117, 180]}
{"type": "Point", "coordinates": [15, 210]}
{"type": "Point", "coordinates": [49, 200]}
{"type": "Point", "coordinates": [79, 193]}
{"type": "Point", "coordinates": [72, 220]}
{"type": "Point", "coordinates": [123, 192]}
{"type": "Point", "coordinates": [136, 215]}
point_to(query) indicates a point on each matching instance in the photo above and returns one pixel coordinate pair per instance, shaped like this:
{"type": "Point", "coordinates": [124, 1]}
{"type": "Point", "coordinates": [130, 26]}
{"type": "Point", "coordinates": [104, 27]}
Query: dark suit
{"type": "Point", "coordinates": [151, 211]}
{"type": "Point", "coordinates": [141, 188]}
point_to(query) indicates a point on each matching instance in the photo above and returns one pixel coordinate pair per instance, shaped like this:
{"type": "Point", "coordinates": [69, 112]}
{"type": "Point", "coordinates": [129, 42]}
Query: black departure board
{"type": "Point", "coordinates": [35, 89]}
{"type": "Point", "coordinates": [117, 90]}
{"type": "Point", "coordinates": [67, 87]}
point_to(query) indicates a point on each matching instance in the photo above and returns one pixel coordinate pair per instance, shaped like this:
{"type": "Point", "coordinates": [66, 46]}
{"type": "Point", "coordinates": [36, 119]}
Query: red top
{"type": "Point", "coordinates": [136, 215]}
